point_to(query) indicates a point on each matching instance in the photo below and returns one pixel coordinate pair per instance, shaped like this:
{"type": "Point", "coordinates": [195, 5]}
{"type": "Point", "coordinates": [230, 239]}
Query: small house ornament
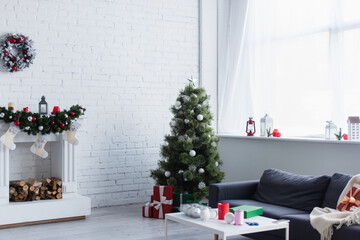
{"type": "Point", "coordinates": [43, 106]}
{"type": "Point", "coordinates": [250, 127]}
{"type": "Point", "coordinates": [330, 131]}
{"type": "Point", "coordinates": [266, 123]}
{"type": "Point", "coordinates": [353, 128]}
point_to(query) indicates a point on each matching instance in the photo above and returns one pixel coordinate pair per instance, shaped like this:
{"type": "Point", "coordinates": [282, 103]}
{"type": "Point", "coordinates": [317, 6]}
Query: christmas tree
{"type": "Point", "coordinates": [190, 160]}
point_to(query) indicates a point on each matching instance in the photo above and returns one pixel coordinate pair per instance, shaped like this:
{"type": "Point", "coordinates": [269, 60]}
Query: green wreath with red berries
{"type": "Point", "coordinates": [34, 123]}
{"type": "Point", "coordinates": [16, 61]}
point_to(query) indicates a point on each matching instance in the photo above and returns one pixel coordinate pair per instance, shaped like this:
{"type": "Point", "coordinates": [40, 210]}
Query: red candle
{"type": "Point", "coordinates": [26, 109]}
{"type": "Point", "coordinates": [56, 109]}
{"type": "Point", "coordinates": [223, 208]}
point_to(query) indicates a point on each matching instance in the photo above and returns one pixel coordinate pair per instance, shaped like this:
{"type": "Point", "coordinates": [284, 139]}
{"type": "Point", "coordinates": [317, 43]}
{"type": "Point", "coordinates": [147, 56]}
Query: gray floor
{"type": "Point", "coordinates": [120, 222]}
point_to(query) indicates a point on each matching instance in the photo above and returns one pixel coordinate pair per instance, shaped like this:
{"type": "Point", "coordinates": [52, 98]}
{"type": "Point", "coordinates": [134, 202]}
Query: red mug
{"type": "Point", "coordinates": [223, 208]}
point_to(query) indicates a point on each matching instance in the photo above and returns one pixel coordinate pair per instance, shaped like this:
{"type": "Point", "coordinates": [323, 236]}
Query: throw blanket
{"type": "Point", "coordinates": [323, 219]}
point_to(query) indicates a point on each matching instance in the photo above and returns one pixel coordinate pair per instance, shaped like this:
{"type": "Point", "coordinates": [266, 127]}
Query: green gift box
{"type": "Point", "coordinates": [182, 198]}
{"type": "Point", "coordinates": [249, 211]}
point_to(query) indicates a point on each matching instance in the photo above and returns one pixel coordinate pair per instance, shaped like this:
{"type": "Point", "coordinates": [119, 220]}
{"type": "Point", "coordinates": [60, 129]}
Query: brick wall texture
{"type": "Point", "coordinates": [125, 61]}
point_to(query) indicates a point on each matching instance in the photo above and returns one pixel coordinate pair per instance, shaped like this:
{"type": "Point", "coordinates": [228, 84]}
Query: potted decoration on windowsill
{"type": "Point", "coordinates": [190, 159]}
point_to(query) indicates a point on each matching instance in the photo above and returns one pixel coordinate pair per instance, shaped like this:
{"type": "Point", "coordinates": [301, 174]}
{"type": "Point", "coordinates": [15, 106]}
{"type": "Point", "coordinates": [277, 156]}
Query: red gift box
{"type": "Point", "coordinates": [163, 199]}
{"type": "Point", "coordinates": [147, 210]}
{"type": "Point", "coordinates": [351, 199]}
{"type": "Point", "coordinates": [152, 198]}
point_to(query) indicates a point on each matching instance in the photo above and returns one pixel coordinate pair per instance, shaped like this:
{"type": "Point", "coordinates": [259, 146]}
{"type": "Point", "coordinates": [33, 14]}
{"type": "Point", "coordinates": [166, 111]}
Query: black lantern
{"type": "Point", "coordinates": [43, 106]}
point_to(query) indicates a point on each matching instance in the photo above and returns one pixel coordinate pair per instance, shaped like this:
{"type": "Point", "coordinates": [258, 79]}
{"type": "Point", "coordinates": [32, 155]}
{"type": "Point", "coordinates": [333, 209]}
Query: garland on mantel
{"type": "Point", "coordinates": [34, 123]}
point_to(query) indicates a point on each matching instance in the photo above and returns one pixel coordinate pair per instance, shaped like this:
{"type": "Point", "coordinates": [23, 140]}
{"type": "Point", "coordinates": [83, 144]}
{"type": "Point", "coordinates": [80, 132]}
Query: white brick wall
{"type": "Point", "coordinates": [125, 61]}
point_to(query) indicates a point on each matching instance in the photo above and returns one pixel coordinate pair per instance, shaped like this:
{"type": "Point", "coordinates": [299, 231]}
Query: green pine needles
{"type": "Point", "coordinates": [190, 159]}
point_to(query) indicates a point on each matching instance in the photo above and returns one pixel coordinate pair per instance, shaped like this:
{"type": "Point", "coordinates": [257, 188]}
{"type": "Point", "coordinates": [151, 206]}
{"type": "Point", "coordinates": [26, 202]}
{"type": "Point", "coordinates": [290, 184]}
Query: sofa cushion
{"type": "Point", "coordinates": [291, 190]}
{"type": "Point", "coordinates": [300, 227]}
{"type": "Point", "coordinates": [336, 186]}
{"type": "Point", "coordinates": [270, 210]}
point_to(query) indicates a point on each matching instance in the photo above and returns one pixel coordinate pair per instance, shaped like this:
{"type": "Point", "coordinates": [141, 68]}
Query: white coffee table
{"type": "Point", "coordinates": [221, 228]}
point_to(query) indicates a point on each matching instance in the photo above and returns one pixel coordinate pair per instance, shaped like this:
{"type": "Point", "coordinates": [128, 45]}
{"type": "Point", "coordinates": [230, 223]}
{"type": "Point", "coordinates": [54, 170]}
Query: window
{"type": "Point", "coordinates": [298, 61]}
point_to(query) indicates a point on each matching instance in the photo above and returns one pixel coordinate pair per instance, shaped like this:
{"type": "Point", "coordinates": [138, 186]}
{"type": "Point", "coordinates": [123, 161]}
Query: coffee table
{"type": "Point", "coordinates": [221, 228]}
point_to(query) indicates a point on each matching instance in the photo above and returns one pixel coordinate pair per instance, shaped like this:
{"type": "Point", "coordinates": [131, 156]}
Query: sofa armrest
{"type": "Point", "coordinates": [232, 190]}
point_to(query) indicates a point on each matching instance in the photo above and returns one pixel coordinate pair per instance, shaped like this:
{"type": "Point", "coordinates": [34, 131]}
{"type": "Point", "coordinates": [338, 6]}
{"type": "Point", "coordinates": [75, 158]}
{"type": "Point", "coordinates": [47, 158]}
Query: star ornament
{"type": "Point", "coordinates": [192, 81]}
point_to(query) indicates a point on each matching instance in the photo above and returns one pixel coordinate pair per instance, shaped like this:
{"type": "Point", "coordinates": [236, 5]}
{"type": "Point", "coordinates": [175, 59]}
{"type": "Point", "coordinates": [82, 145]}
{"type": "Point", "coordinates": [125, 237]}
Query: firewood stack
{"type": "Point", "coordinates": [49, 188]}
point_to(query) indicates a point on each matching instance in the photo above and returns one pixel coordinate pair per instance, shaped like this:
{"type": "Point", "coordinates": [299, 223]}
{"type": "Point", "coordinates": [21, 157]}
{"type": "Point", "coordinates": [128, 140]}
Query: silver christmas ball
{"type": "Point", "coordinates": [2, 115]}
{"type": "Point", "coordinates": [165, 144]}
{"type": "Point", "coordinates": [213, 144]}
{"type": "Point", "coordinates": [181, 171]}
{"type": "Point", "coordinates": [27, 128]}
{"type": "Point", "coordinates": [40, 128]}
{"type": "Point", "coordinates": [57, 134]}
{"type": "Point", "coordinates": [186, 121]}
{"type": "Point", "coordinates": [66, 115]}
{"type": "Point", "coordinates": [192, 153]}
{"type": "Point", "coordinates": [177, 104]}
{"type": "Point", "coordinates": [10, 117]}
{"type": "Point", "coordinates": [198, 106]}
{"type": "Point", "coordinates": [201, 170]}
{"type": "Point", "coordinates": [181, 138]}
{"type": "Point", "coordinates": [29, 118]}
{"type": "Point", "coordinates": [173, 123]}
{"type": "Point", "coordinates": [167, 174]}
{"type": "Point", "coordinates": [216, 164]}
{"type": "Point", "coordinates": [200, 117]}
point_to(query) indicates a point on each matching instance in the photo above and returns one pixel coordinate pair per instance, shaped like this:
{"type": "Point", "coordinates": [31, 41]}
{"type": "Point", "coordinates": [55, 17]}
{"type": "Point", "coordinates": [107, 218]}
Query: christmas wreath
{"type": "Point", "coordinates": [34, 123]}
{"type": "Point", "coordinates": [25, 53]}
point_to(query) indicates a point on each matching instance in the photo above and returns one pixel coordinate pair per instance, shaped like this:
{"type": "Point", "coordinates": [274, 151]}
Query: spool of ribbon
{"type": "Point", "coordinates": [350, 199]}
{"type": "Point", "coordinates": [163, 200]}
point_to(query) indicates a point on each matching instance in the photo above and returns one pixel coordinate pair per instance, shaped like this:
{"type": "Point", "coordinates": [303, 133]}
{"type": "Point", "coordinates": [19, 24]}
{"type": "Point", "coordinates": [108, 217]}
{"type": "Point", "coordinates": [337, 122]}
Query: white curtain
{"type": "Point", "coordinates": [296, 60]}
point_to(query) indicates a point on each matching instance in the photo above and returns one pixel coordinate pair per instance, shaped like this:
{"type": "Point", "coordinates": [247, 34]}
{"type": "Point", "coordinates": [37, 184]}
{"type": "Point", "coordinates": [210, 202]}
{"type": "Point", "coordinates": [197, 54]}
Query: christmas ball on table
{"type": "Point", "coordinates": [201, 170]}
{"type": "Point", "coordinates": [167, 174]}
{"type": "Point", "coordinates": [17, 123]}
{"type": "Point", "coordinates": [40, 128]}
{"type": "Point", "coordinates": [200, 117]}
{"type": "Point", "coordinates": [173, 123]}
{"type": "Point", "coordinates": [29, 118]}
{"type": "Point", "coordinates": [186, 121]}
{"type": "Point", "coordinates": [192, 153]}
{"type": "Point", "coordinates": [213, 144]}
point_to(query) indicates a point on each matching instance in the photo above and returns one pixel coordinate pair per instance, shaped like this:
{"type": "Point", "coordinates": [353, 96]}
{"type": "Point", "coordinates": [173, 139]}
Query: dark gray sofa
{"type": "Point", "coordinates": [287, 196]}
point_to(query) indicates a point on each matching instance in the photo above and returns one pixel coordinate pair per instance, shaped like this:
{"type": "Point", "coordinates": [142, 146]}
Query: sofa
{"type": "Point", "coordinates": [284, 195]}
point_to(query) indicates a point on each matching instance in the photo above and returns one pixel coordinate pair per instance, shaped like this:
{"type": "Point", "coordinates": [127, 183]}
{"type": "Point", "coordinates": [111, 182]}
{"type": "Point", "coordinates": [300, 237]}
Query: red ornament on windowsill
{"type": "Point", "coordinates": [250, 127]}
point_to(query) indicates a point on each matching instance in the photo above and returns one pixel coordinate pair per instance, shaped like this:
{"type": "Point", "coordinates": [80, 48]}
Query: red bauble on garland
{"type": "Point", "coordinates": [62, 125]}
{"type": "Point", "coordinates": [34, 119]}
{"type": "Point", "coordinates": [52, 123]}
{"type": "Point", "coordinates": [17, 123]}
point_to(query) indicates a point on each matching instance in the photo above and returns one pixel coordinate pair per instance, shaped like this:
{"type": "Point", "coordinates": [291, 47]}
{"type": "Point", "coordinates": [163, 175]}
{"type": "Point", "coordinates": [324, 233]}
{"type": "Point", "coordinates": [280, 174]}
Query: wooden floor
{"type": "Point", "coordinates": [120, 222]}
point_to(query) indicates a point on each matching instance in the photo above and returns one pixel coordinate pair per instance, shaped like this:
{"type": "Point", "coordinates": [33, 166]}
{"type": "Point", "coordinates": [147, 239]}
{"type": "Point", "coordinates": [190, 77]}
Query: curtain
{"type": "Point", "coordinates": [298, 61]}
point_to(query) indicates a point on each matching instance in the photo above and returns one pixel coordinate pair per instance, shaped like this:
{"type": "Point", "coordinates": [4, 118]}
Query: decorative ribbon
{"type": "Point", "coordinates": [158, 205]}
{"type": "Point", "coordinates": [146, 210]}
{"type": "Point", "coordinates": [351, 199]}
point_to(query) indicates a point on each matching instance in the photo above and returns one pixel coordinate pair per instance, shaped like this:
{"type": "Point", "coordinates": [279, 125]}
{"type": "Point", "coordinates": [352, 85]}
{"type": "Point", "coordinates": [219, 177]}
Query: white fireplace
{"type": "Point", "coordinates": [63, 166]}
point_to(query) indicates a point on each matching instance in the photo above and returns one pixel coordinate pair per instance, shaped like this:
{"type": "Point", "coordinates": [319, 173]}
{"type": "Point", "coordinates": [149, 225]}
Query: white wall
{"type": "Point", "coordinates": [125, 61]}
{"type": "Point", "coordinates": [246, 158]}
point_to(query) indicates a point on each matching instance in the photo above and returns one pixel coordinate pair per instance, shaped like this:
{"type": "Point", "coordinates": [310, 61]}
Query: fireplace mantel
{"type": "Point", "coordinates": [63, 166]}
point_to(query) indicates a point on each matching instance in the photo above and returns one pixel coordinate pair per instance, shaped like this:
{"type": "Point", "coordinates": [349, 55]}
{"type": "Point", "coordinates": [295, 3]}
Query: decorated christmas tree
{"type": "Point", "coordinates": [190, 159]}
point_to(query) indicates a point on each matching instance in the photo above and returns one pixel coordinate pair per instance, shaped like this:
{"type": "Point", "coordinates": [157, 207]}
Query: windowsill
{"type": "Point", "coordinates": [289, 139]}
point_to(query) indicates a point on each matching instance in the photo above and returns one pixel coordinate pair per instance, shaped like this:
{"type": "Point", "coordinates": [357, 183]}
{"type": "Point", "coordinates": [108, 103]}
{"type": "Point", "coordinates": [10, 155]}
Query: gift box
{"type": "Point", "coordinates": [192, 201]}
{"type": "Point", "coordinates": [182, 198]}
{"type": "Point", "coordinates": [249, 211]}
{"type": "Point", "coordinates": [147, 210]}
{"type": "Point", "coordinates": [152, 198]}
{"type": "Point", "coordinates": [163, 201]}
{"type": "Point", "coordinates": [351, 199]}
